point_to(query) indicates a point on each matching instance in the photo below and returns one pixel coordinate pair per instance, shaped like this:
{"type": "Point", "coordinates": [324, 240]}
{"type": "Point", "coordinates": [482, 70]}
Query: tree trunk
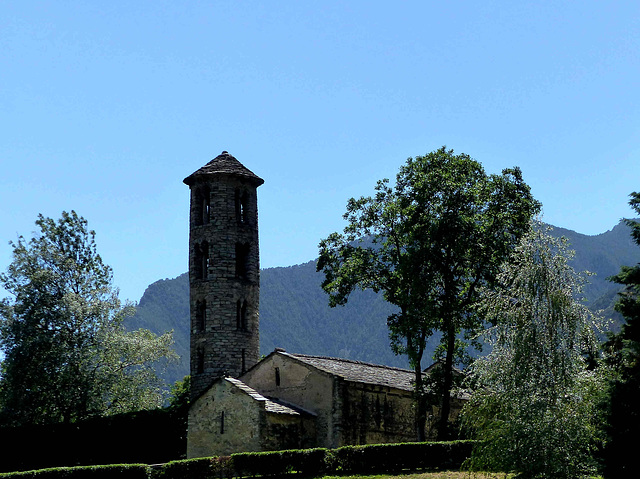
{"type": "Point", "coordinates": [421, 410]}
{"type": "Point", "coordinates": [443, 426]}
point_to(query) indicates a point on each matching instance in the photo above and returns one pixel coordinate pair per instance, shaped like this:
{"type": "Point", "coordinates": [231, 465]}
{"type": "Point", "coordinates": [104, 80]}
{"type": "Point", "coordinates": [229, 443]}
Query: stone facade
{"type": "Point", "coordinates": [353, 402]}
{"type": "Point", "coordinates": [230, 417]}
{"type": "Point", "coordinates": [224, 271]}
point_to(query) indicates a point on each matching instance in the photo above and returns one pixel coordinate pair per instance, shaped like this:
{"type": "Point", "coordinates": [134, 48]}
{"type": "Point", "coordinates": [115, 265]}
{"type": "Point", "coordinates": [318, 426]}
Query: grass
{"type": "Point", "coordinates": [431, 475]}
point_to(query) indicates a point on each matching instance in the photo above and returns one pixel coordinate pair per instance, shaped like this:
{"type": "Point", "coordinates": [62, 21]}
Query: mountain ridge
{"type": "Point", "coordinates": [295, 315]}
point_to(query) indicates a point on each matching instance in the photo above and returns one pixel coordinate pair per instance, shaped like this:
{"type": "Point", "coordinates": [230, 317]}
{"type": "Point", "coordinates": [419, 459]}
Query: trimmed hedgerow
{"type": "Point", "coordinates": [199, 468]}
{"type": "Point", "coordinates": [122, 471]}
{"type": "Point", "coordinates": [375, 458]}
{"type": "Point", "coordinates": [306, 462]}
{"type": "Point", "coordinates": [398, 457]}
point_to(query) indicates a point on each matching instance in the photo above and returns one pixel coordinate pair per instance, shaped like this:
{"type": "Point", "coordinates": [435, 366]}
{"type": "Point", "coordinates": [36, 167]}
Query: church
{"type": "Point", "coordinates": [286, 400]}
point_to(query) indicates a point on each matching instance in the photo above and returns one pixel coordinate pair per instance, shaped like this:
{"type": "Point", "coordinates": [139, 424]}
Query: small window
{"type": "Point", "coordinates": [200, 361]}
{"type": "Point", "coordinates": [277, 376]}
{"type": "Point", "coordinates": [242, 259]}
{"type": "Point", "coordinates": [244, 362]}
{"type": "Point", "coordinates": [242, 200]}
{"type": "Point", "coordinates": [202, 206]}
{"type": "Point", "coordinates": [241, 315]}
{"type": "Point", "coordinates": [222, 422]}
{"type": "Point", "coordinates": [206, 210]}
{"type": "Point", "coordinates": [201, 315]}
{"type": "Point", "coordinates": [202, 260]}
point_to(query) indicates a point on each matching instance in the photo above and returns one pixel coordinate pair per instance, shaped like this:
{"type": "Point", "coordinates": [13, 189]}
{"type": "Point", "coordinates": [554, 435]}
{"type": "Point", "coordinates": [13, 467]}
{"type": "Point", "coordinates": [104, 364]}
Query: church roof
{"type": "Point", "coordinates": [357, 371]}
{"type": "Point", "coordinates": [270, 405]}
{"type": "Point", "coordinates": [224, 164]}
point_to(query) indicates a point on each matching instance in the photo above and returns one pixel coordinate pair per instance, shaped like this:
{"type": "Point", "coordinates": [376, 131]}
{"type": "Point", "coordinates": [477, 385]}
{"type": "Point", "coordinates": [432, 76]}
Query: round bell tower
{"type": "Point", "coordinates": [224, 271]}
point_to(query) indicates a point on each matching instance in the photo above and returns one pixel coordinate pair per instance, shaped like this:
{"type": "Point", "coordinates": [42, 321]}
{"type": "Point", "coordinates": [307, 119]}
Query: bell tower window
{"type": "Point", "coordinates": [241, 315]}
{"type": "Point", "coordinates": [201, 315]}
{"type": "Point", "coordinates": [242, 259]}
{"type": "Point", "coordinates": [202, 260]}
{"type": "Point", "coordinates": [242, 200]}
{"type": "Point", "coordinates": [200, 361]}
{"type": "Point", "coordinates": [202, 206]}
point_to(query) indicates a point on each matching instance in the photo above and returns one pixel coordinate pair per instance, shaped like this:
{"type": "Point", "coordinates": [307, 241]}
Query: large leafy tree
{"type": "Point", "coordinates": [623, 405]}
{"type": "Point", "coordinates": [535, 407]}
{"type": "Point", "coordinates": [67, 354]}
{"type": "Point", "coordinates": [429, 243]}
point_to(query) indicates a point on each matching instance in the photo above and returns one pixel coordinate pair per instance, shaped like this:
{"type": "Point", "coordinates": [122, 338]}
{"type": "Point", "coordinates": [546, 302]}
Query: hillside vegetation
{"type": "Point", "coordinates": [294, 311]}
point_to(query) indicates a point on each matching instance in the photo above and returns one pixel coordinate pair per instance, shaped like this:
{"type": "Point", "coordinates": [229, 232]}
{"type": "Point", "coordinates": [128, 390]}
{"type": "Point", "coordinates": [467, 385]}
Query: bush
{"type": "Point", "coordinates": [306, 462]}
{"type": "Point", "coordinates": [398, 457]}
{"type": "Point", "coordinates": [200, 468]}
{"type": "Point", "coordinates": [122, 471]}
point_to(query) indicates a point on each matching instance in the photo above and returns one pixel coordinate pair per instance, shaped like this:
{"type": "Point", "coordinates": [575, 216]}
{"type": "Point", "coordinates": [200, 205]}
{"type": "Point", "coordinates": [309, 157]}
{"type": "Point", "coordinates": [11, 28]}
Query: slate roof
{"type": "Point", "coordinates": [224, 164]}
{"type": "Point", "coordinates": [360, 372]}
{"type": "Point", "coordinates": [270, 405]}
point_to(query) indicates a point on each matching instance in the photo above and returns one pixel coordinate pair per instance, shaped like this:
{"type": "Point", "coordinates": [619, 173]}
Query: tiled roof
{"type": "Point", "coordinates": [357, 371]}
{"type": "Point", "coordinates": [269, 404]}
{"type": "Point", "coordinates": [224, 164]}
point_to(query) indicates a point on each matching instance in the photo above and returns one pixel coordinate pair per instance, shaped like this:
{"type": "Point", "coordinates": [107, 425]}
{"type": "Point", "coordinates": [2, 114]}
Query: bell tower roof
{"type": "Point", "coordinates": [224, 165]}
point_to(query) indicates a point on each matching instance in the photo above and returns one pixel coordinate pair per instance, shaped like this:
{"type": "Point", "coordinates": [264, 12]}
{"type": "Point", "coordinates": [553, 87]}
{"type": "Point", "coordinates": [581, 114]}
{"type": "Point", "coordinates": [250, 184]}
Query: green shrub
{"type": "Point", "coordinates": [199, 468]}
{"type": "Point", "coordinates": [122, 471]}
{"type": "Point", "coordinates": [398, 457]}
{"type": "Point", "coordinates": [307, 462]}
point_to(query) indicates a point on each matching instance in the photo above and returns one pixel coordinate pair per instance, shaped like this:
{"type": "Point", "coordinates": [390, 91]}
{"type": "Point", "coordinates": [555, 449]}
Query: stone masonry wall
{"type": "Point", "coordinates": [219, 241]}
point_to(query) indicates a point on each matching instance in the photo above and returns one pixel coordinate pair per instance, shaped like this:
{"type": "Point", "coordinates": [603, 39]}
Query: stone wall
{"type": "Point", "coordinates": [296, 383]}
{"type": "Point", "coordinates": [222, 421]}
{"type": "Point", "coordinates": [376, 414]}
{"type": "Point", "coordinates": [224, 277]}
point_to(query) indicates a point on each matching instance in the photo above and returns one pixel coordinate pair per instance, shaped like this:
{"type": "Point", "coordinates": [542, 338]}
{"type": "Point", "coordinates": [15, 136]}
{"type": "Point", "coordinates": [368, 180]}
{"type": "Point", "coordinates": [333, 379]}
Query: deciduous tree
{"type": "Point", "coordinates": [535, 409]}
{"type": "Point", "coordinates": [428, 243]}
{"type": "Point", "coordinates": [67, 354]}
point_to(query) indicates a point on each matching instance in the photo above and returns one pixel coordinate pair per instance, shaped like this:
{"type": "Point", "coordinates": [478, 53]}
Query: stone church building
{"type": "Point", "coordinates": [286, 400]}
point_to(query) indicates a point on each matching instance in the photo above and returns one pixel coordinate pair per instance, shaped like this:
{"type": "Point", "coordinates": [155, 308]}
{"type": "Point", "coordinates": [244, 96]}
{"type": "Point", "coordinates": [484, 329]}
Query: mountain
{"type": "Point", "coordinates": [294, 311]}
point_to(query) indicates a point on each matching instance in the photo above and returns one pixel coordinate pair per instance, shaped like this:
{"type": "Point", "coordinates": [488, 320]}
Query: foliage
{"type": "Point", "coordinates": [151, 436]}
{"type": "Point", "coordinates": [535, 412]}
{"type": "Point", "coordinates": [67, 355]}
{"type": "Point", "coordinates": [180, 394]}
{"type": "Point", "coordinates": [314, 462]}
{"type": "Point", "coordinates": [435, 238]}
{"type": "Point", "coordinates": [623, 407]}
{"type": "Point", "coordinates": [124, 471]}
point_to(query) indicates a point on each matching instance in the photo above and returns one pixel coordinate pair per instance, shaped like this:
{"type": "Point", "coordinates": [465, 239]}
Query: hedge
{"type": "Point", "coordinates": [122, 471]}
{"type": "Point", "coordinates": [375, 458]}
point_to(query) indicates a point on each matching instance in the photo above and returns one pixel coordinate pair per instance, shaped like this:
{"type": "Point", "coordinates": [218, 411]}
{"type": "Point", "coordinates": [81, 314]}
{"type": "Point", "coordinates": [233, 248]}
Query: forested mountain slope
{"type": "Point", "coordinates": [294, 311]}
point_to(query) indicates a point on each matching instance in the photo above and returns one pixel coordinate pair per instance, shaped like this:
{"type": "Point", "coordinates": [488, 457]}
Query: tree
{"type": "Point", "coordinates": [428, 244]}
{"type": "Point", "coordinates": [535, 407]}
{"type": "Point", "coordinates": [67, 354]}
{"type": "Point", "coordinates": [623, 415]}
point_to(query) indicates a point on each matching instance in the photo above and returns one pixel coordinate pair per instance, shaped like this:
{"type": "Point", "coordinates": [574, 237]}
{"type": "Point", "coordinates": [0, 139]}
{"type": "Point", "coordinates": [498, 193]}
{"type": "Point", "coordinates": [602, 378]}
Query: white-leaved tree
{"type": "Point", "coordinates": [67, 354]}
{"type": "Point", "coordinates": [535, 408]}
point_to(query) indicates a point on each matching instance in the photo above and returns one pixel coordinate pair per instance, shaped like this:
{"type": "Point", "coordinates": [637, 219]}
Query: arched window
{"type": "Point", "coordinates": [202, 260]}
{"type": "Point", "coordinates": [241, 315]}
{"type": "Point", "coordinates": [202, 206]}
{"type": "Point", "coordinates": [201, 315]}
{"type": "Point", "coordinates": [242, 200]}
{"type": "Point", "coordinates": [242, 259]}
{"type": "Point", "coordinates": [200, 361]}
{"type": "Point", "coordinates": [206, 207]}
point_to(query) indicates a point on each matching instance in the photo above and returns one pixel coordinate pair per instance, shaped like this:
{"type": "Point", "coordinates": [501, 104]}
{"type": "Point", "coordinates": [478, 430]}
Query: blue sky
{"type": "Point", "coordinates": [106, 106]}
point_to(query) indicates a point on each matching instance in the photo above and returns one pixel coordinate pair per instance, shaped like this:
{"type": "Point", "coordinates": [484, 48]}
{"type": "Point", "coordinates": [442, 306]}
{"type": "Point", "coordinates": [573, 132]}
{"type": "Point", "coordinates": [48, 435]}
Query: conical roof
{"type": "Point", "coordinates": [224, 164]}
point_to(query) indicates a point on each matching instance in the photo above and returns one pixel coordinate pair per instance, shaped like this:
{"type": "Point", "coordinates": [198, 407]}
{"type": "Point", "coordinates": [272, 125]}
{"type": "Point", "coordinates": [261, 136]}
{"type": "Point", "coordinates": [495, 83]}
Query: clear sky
{"type": "Point", "coordinates": [105, 106]}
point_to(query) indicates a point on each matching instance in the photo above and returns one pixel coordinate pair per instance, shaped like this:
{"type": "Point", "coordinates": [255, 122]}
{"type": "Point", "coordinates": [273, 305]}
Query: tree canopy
{"type": "Point", "coordinates": [534, 408]}
{"type": "Point", "coordinates": [67, 354]}
{"type": "Point", "coordinates": [428, 243]}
